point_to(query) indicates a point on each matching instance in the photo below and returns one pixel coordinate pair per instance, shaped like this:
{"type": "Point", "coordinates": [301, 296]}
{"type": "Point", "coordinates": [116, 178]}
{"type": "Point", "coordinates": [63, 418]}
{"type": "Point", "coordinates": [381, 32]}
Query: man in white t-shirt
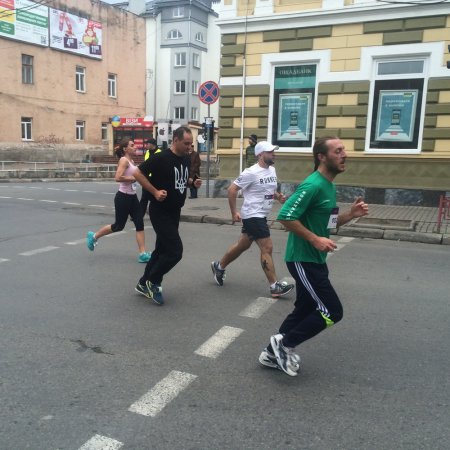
{"type": "Point", "coordinates": [258, 184]}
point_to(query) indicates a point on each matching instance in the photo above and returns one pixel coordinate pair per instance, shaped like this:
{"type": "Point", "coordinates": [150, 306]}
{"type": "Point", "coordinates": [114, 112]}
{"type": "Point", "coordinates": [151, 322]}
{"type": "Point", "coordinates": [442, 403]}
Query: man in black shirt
{"type": "Point", "coordinates": [168, 186]}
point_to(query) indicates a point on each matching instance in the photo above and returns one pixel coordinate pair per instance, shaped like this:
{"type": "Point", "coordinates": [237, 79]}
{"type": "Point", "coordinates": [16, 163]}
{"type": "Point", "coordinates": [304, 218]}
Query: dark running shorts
{"type": "Point", "coordinates": [256, 228]}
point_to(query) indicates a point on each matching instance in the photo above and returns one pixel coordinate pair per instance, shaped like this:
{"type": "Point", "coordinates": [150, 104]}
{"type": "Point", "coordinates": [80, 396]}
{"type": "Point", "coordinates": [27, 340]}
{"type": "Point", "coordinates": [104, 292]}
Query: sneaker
{"type": "Point", "coordinates": [91, 242]}
{"type": "Point", "coordinates": [219, 274]}
{"type": "Point", "coordinates": [144, 257]}
{"type": "Point", "coordinates": [283, 355]}
{"type": "Point", "coordinates": [156, 290]}
{"type": "Point", "coordinates": [281, 288]}
{"type": "Point", "coordinates": [142, 289]}
{"type": "Point", "coordinates": [268, 359]}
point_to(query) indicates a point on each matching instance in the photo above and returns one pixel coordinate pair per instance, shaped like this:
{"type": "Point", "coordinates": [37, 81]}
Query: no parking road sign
{"type": "Point", "coordinates": [209, 92]}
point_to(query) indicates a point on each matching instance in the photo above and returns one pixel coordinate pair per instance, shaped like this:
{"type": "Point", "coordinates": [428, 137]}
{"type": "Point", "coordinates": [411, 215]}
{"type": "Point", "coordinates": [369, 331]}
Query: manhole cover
{"type": "Point", "coordinates": [385, 224]}
{"type": "Point", "coordinates": [204, 208]}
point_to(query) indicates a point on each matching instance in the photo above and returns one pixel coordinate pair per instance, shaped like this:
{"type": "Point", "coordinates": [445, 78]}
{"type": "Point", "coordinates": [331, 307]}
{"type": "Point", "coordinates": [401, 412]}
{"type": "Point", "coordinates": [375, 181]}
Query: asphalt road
{"type": "Point", "coordinates": [86, 363]}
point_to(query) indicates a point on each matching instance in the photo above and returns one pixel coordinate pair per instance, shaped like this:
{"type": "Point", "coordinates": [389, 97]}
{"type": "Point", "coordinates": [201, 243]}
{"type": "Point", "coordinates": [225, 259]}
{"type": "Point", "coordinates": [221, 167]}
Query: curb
{"type": "Point", "coordinates": [364, 233]}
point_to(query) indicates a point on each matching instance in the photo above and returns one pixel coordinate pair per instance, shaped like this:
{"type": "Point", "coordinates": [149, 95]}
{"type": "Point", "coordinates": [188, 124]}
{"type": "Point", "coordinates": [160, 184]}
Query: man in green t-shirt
{"type": "Point", "coordinates": [308, 215]}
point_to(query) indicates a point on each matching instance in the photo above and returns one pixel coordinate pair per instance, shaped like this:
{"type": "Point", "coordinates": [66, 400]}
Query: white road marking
{"type": "Point", "coordinates": [39, 250]}
{"type": "Point", "coordinates": [53, 189]}
{"type": "Point", "coordinates": [23, 198]}
{"type": "Point", "coordinates": [79, 241]}
{"type": "Point", "coordinates": [109, 193]}
{"type": "Point", "coordinates": [257, 308]}
{"type": "Point", "coordinates": [97, 206]}
{"type": "Point", "coordinates": [218, 342]}
{"type": "Point", "coordinates": [3, 260]}
{"type": "Point", "coordinates": [71, 203]}
{"type": "Point", "coordinates": [32, 187]}
{"type": "Point", "coordinates": [153, 402]}
{"type": "Point", "coordinates": [49, 201]}
{"type": "Point", "coordinates": [71, 190]}
{"type": "Point", "coordinates": [5, 197]}
{"type": "Point", "coordinates": [89, 192]}
{"type": "Point", "coordinates": [346, 239]}
{"type": "Point", "coordinates": [99, 442]}
{"type": "Point", "coordinates": [118, 233]}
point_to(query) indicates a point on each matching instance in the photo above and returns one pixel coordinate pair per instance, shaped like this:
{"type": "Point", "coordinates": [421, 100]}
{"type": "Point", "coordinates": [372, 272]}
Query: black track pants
{"type": "Point", "coordinates": [168, 247]}
{"type": "Point", "coordinates": [317, 305]}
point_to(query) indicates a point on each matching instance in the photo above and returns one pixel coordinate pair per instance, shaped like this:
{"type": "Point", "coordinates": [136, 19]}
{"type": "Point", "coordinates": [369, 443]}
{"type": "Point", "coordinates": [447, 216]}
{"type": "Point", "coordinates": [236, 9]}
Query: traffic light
{"type": "Point", "coordinates": [211, 131]}
{"type": "Point", "coordinates": [204, 131]}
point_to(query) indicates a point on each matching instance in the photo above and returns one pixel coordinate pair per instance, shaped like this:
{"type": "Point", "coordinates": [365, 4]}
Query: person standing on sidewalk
{"type": "Point", "coordinates": [308, 215]}
{"type": "Point", "coordinates": [194, 171]}
{"type": "Point", "coordinates": [250, 157]}
{"type": "Point", "coordinates": [150, 149]}
{"type": "Point", "coordinates": [125, 202]}
{"type": "Point", "coordinates": [259, 188]}
{"type": "Point", "coordinates": [168, 186]}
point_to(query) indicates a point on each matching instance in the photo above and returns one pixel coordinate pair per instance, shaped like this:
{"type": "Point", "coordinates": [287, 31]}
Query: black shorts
{"type": "Point", "coordinates": [256, 228]}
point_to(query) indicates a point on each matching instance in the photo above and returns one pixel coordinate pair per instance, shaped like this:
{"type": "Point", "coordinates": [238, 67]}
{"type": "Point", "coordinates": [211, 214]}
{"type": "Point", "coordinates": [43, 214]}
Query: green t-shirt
{"type": "Point", "coordinates": [314, 205]}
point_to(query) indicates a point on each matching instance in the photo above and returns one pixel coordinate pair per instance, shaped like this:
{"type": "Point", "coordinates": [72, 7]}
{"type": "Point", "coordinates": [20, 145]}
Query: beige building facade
{"type": "Point", "coordinates": [66, 76]}
{"type": "Point", "coordinates": [374, 74]}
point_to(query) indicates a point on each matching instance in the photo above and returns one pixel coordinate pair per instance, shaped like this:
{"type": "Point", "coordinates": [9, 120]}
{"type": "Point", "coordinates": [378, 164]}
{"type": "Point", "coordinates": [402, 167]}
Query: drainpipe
{"type": "Point", "coordinates": [244, 68]}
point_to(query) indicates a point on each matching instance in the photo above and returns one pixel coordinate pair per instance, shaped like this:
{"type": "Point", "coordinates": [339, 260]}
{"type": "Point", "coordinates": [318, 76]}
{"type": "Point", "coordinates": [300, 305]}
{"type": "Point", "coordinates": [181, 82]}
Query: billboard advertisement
{"type": "Point", "coordinates": [24, 21]}
{"type": "Point", "coordinates": [75, 34]}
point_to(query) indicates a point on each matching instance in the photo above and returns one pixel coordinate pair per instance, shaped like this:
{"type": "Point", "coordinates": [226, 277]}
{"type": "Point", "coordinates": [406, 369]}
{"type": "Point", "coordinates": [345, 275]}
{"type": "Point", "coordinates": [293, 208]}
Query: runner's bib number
{"type": "Point", "coordinates": [332, 223]}
{"type": "Point", "coordinates": [134, 185]}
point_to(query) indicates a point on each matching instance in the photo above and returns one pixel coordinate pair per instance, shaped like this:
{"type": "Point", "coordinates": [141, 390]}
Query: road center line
{"type": "Point", "coordinates": [39, 250]}
{"type": "Point", "coordinates": [3, 260]}
{"type": "Point", "coordinates": [23, 198]}
{"type": "Point", "coordinates": [153, 402]}
{"type": "Point", "coordinates": [71, 203]}
{"type": "Point", "coordinates": [218, 342]}
{"type": "Point", "coordinates": [257, 308]}
{"type": "Point", "coordinates": [99, 442]}
{"type": "Point", "coordinates": [49, 201]}
{"type": "Point", "coordinates": [97, 206]}
{"type": "Point", "coordinates": [79, 241]}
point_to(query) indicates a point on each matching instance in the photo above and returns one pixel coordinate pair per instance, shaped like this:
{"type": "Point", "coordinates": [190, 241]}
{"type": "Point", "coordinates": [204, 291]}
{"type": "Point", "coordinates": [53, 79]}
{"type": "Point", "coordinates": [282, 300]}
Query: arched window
{"type": "Point", "coordinates": [174, 34]}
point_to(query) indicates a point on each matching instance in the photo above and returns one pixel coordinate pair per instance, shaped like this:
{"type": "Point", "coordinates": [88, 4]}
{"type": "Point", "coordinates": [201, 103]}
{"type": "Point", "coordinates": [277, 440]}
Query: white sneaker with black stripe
{"type": "Point", "coordinates": [281, 288]}
{"type": "Point", "coordinates": [283, 355]}
{"type": "Point", "coordinates": [268, 359]}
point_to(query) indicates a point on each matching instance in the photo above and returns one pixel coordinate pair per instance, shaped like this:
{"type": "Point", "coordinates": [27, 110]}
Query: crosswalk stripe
{"type": "Point", "coordinates": [157, 398]}
{"type": "Point", "coordinates": [257, 308]}
{"type": "Point", "coordinates": [218, 342]}
{"type": "Point", "coordinates": [99, 442]}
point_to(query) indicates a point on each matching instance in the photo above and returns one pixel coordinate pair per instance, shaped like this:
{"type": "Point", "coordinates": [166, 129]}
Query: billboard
{"type": "Point", "coordinates": [75, 34]}
{"type": "Point", "coordinates": [24, 21]}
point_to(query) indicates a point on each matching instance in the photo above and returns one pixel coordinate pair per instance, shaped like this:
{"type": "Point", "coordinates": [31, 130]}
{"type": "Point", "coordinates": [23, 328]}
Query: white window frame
{"type": "Point", "coordinates": [178, 12]}
{"type": "Point", "coordinates": [194, 113]}
{"type": "Point", "coordinates": [180, 87]}
{"type": "Point", "coordinates": [180, 59]}
{"type": "Point", "coordinates": [104, 131]}
{"type": "Point", "coordinates": [80, 128]}
{"type": "Point", "coordinates": [199, 37]}
{"type": "Point", "coordinates": [27, 128]}
{"type": "Point", "coordinates": [112, 85]}
{"type": "Point", "coordinates": [27, 69]}
{"type": "Point", "coordinates": [80, 79]}
{"type": "Point", "coordinates": [194, 87]}
{"type": "Point", "coordinates": [174, 34]}
{"type": "Point", "coordinates": [196, 60]}
{"type": "Point", "coordinates": [179, 112]}
{"type": "Point", "coordinates": [377, 61]}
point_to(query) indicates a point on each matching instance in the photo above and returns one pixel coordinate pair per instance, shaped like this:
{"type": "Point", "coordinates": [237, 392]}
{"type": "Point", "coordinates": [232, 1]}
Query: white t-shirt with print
{"type": "Point", "coordinates": [258, 186]}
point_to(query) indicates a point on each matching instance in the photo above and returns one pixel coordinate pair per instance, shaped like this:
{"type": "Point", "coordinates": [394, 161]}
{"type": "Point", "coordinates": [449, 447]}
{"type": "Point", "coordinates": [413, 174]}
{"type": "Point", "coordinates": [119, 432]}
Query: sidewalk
{"type": "Point", "coordinates": [399, 223]}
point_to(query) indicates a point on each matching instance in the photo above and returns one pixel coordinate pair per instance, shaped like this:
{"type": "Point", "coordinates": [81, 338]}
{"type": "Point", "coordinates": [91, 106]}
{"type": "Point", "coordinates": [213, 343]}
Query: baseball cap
{"type": "Point", "coordinates": [150, 141]}
{"type": "Point", "coordinates": [264, 146]}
